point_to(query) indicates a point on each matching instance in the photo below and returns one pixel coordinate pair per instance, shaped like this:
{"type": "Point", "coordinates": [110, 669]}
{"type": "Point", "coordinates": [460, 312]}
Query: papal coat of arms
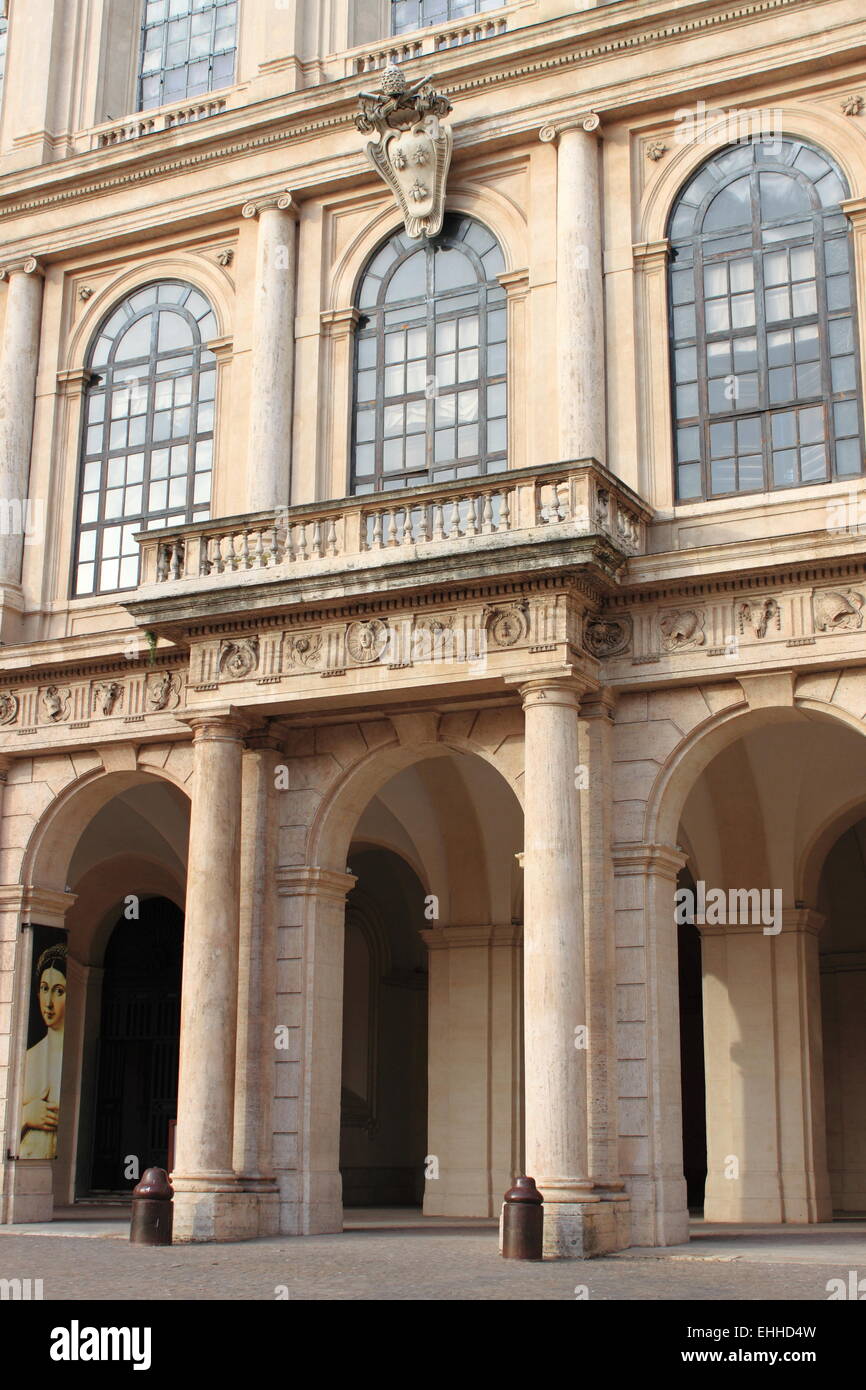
{"type": "Point", "coordinates": [412, 151]}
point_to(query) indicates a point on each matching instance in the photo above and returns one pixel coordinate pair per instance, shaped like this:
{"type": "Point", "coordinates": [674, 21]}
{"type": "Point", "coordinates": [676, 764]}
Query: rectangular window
{"type": "Point", "coordinates": [187, 49]}
{"type": "Point", "coordinates": [407, 15]}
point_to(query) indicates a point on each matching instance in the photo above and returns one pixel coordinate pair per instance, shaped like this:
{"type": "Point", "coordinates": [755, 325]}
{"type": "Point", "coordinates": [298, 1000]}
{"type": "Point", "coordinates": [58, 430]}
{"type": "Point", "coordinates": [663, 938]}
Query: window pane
{"type": "Point", "coordinates": [764, 353]}
{"type": "Point", "coordinates": [131, 475]}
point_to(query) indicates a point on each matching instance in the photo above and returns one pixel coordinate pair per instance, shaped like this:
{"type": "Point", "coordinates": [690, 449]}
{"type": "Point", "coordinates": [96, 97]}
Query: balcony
{"type": "Point", "coordinates": [493, 528]}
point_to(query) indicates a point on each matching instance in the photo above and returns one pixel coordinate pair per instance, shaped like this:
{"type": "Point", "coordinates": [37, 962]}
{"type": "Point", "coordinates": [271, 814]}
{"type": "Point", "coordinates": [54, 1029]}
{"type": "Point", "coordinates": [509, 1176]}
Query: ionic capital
{"type": "Point", "coordinates": [588, 121]}
{"type": "Point", "coordinates": [283, 202]}
{"type": "Point", "coordinates": [228, 725]}
{"type": "Point", "coordinates": [28, 265]}
{"type": "Point", "coordinates": [565, 690]}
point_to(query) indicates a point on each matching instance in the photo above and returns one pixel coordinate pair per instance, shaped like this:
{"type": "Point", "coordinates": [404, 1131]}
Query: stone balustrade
{"type": "Point", "coordinates": [147, 123]}
{"type": "Point", "coordinates": [434, 40]}
{"type": "Point", "coordinates": [580, 496]}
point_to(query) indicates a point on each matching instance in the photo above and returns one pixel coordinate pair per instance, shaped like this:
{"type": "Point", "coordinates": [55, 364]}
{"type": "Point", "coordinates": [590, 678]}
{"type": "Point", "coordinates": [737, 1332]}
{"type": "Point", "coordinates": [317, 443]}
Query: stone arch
{"type": "Point", "coordinates": [345, 799]}
{"type": "Point", "coordinates": [492, 209]}
{"type": "Point", "coordinates": [210, 280]}
{"type": "Point", "coordinates": [835, 134]}
{"type": "Point", "coordinates": [52, 843]}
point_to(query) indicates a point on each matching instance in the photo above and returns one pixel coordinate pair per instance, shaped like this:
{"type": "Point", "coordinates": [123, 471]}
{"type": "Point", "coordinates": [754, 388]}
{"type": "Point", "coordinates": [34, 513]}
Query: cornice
{"type": "Point", "coordinates": [490, 70]}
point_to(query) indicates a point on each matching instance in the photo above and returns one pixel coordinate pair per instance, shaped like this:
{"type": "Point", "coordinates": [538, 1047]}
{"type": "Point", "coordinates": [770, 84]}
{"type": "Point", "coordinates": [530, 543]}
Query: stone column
{"type": "Point", "coordinates": [595, 786]}
{"type": "Point", "coordinates": [273, 353]}
{"type": "Point", "coordinates": [576, 1221]}
{"type": "Point", "coordinates": [206, 1188]}
{"type": "Point", "coordinates": [19, 357]}
{"type": "Point", "coordinates": [650, 1094]}
{"type": "Point", "coordinates": [254, 1070]}
{"type": "Point", "coordinates": [580, 294]}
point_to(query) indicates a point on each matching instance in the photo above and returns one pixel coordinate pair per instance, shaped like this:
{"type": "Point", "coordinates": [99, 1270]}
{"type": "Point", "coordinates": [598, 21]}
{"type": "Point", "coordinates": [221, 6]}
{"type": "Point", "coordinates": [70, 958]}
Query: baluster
{"type": "Point", "coordinates": [289, 555]}
{"type": "Point", "coordinates": [246, 559]}
{"type": "Point", "coordinates": [487, 514]}
{"type": "Point", "coordinates": [377, 531]}
{"type": "Point", "coordinates": [204, 564]}
{"type": "Point", "coordinates": [408, 537]}
{"type": "Point", "coordinates": [162, 563]}
{"type": "Point", "coordinates": [454, 532]}
{"type": "Point", "coordinates": [317, 540]}
{"type": "Point", "coordinates": [259, 561]}
{"type": "Point", "coordinates": [438, 522]}
{"type": "Point", "coordinates": [422, 524]}
{"type": "Point", "coordinates": [504, 513]}
{"type": "Point", "coordinates": [303, 553]}
{"type": "Point", "coordinates": [176, 559]}
{"type": "Point", "coordinates": [471, 518]}
{"type": "Point", "coordinates": [219, 557]}
{"type": "Point", "coordinates": [392, 525]}
{"type": "Point", "coordinates": [331, 544]}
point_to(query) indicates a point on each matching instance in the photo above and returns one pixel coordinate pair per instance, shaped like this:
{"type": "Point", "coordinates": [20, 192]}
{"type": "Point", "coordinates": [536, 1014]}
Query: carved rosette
{"type": "Point", "coordinates": [366, 640]}
{"type": "Point", "coordinates": [238, 659]}
{"type": "Point", "coordinates": [506, 626]}
{"type": "Point", "coordinates": [607, 636]}
{"type": "Point", "coordinates": [412, 149]}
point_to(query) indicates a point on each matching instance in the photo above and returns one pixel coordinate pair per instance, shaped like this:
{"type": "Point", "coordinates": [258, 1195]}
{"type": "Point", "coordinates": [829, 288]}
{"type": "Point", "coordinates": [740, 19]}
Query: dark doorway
{"type": "Point", "coordinates": [383, 1121]}
{"type": "Point", "coordinates": [136, 1098]}
{"type": "Point", "coordinates": [694, 1098]}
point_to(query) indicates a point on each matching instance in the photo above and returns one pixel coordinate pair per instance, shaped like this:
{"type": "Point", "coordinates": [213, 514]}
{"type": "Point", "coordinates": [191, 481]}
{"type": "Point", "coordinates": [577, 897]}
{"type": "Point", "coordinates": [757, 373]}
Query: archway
{"type": "Point", "coordinates": [117, 844]}
{"type": "Point", "coordinates": [432, 841]}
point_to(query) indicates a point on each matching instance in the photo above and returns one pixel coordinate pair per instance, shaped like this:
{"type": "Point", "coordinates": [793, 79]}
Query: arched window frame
{"type": "Point", "coordinates": [147, 429]}
{"type": "Point", "coordinates": [772, 463]}
{"type": "Point", "coordinates": [428, 386]}
{"type": "Point", "coordinates": [188, 48]}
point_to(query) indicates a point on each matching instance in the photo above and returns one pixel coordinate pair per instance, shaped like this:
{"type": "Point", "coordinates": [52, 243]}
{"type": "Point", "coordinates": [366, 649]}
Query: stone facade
{"type": "Point", "coordinates": [552, 693]}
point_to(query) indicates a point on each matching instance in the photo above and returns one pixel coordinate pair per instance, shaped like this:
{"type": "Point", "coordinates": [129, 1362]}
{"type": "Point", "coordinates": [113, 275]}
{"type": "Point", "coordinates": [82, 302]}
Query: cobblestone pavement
{"type": "Point", "coordinates": [440, 1262]}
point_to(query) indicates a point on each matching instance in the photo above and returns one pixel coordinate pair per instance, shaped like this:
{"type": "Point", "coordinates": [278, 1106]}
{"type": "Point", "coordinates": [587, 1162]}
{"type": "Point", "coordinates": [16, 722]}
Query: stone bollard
{"type": "Point", "coordinates": [152, 1212]}
{"type": "Point", "coordinates": [523, 1221]}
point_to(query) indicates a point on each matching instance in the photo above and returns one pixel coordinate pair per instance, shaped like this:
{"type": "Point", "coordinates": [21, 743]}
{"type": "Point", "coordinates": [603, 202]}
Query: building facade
{"type": "Point", "coordinates": [433, 668]}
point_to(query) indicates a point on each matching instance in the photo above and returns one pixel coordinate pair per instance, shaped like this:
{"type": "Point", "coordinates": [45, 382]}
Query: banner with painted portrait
{"type": "Point", "coordinates": [43, 1063]}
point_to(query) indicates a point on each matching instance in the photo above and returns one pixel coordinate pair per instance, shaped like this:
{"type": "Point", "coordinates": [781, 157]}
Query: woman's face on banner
{"type": "Point", "coordinates": [52, 997]}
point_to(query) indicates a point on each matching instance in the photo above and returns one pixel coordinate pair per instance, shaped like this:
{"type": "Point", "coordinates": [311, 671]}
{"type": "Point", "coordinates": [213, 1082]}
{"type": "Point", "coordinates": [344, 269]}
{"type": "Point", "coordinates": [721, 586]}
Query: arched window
{"type": "Point", "coordinates": [430, 360]}
{"type": "Point", "coordinates": [147, 446]}
{"type": "Point", "coordinates": [187, 49]}
{"type": "Point", "coordinates": [764, 339]}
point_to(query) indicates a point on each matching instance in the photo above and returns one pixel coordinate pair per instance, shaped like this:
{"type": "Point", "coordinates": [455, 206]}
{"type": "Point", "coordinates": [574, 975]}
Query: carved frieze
{"type": "Point", "coordinates": [238, 658]}
{"type": "Point", "coordinates": [163, 691]}
{"type": "Point", "coordinates": [507, 625]}
{"type": "Point", "coordinates": [682, 630]}
{"type": "Point", "coordinates": [8, 707]}
{"type": "Point", "coordinates": [367, 640]}
{"type": "Point", "coordinates": [836, 610]}
{"type": "Point", "coordinates": [107, 697]}
{"type": "Point", "coordinates": [55, 703]}
{"type": "Point", "coordinates": [607, 636]}
{"type": "Point", "coordinates": [759, 615]}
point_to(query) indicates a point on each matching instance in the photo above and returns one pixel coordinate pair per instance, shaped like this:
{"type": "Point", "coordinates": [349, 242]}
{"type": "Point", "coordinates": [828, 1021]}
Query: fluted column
{"type": "Point", "coordinates": [273, 353]}
{"type": "Point", "coordinates": [576, 1222]}
{"type": "Point", "coordinates": [204, 1173]}
{"type": "Point", "coordinates": [19, 357]}
{"type": "Point", "coordinates": [579, 289]}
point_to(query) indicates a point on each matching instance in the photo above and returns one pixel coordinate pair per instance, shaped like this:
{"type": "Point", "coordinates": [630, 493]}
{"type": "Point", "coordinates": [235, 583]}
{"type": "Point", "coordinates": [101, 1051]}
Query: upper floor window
{"type": "Point", "coordinates": [763, 325]}
{"type": "Point", "coordinates": [188, 48]}
{"type": "Point", "coordinates": [430, 360]}
{"type": "Point", "coordinates": [147, 447]}
{"type": "Point", "coordinates": [407, 15]}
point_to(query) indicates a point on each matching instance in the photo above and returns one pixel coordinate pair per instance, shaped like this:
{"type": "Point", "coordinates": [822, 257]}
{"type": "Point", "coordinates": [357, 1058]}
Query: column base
{"type": "Point", "coordinates": [580, 1230]}
{"type": "Point", "coordinates": [223, 1212]}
